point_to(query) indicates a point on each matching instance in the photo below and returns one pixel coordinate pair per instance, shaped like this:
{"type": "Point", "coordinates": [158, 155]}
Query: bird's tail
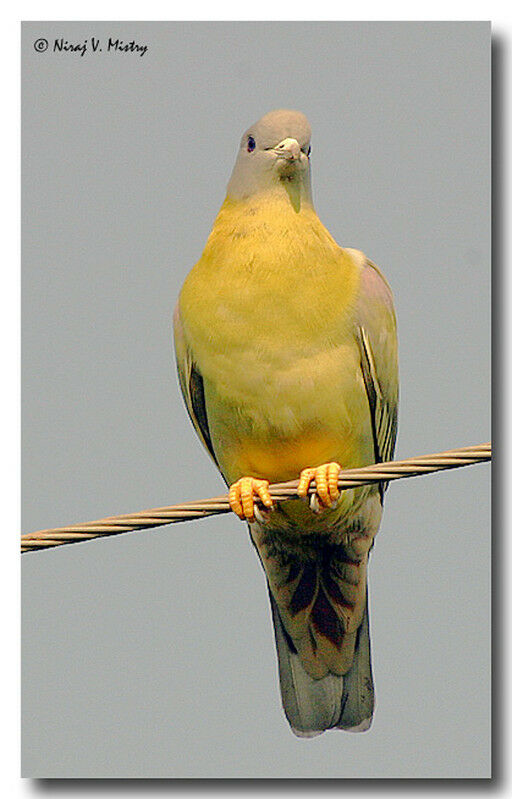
{"type": "Point", "coordinates": [333, 701]}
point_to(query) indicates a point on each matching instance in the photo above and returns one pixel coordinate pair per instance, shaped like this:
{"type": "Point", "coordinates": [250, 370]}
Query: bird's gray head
{"type": "Point", "coordinates": [274, 154]}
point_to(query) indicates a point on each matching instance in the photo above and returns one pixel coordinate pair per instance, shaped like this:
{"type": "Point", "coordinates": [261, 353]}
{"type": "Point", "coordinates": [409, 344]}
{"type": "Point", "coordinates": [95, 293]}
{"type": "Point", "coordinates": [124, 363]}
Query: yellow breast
{"type": "Point", "coordinates": [269, 277]}
{"type": "Point", "coordinates": [268, 313]}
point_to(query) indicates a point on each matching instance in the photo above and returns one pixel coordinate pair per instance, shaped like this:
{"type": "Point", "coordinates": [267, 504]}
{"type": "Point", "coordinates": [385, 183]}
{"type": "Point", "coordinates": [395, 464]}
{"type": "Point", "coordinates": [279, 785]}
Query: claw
{"type": "Point", "coordinates": [243, 493]}
{"type": "Point", "coordinates": [326, 481]}
{"type": "Point", "coordinates": [314, 504]}
{"type": "Point", "coordinates": [261, 516]}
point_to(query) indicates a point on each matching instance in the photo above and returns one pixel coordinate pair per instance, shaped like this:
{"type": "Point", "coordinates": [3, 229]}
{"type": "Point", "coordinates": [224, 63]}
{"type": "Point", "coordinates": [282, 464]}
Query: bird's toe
{"type": "Point", "coordinates": [325, 478]}
{"type": "Point", "coordinates": [244, 492]}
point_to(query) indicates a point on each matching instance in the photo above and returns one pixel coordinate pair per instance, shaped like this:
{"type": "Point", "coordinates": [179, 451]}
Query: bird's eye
{"type": "Point", "coordinates": [251, 144]}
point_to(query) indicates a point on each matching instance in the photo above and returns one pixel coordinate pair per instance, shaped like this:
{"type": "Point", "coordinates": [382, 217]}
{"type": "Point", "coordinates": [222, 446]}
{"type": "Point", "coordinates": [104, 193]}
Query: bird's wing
{"type": "Point", "coordinates": [192, 385]}
{"type": "Point", "coordinates": [377, 340]}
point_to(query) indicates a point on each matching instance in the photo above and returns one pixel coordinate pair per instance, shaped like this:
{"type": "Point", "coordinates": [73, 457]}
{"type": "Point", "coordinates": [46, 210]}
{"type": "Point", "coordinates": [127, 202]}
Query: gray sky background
{"type": "Point", "coordinates": [152, 654]}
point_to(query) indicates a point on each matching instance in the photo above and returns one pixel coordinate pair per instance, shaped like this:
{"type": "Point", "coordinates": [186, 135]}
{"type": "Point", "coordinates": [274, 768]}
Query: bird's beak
{"type": "Point", "coordinates": [288, 149]}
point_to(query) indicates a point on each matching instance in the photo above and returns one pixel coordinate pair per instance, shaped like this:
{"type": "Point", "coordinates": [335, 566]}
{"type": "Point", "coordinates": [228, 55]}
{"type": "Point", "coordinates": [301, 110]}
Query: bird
{"type": "Point", "coordinates": [287, 357]}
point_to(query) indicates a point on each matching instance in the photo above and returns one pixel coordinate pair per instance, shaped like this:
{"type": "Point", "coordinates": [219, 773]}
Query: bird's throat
{"type": "Point", "coordinates": [294, 190]}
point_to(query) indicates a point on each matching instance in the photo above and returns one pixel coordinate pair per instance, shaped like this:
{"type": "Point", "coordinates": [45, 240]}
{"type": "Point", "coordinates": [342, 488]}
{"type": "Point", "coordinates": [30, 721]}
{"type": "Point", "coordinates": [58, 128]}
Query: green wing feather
{"type": "Point", "coordinates": [192, 386]}
{"type": "Point", "coordinates": [379, 360]}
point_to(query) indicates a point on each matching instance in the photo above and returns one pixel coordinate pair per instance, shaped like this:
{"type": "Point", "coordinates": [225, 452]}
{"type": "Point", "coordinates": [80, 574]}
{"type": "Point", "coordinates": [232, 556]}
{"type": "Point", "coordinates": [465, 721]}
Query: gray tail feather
{"type": "Point", "coordinates": [314, 705]}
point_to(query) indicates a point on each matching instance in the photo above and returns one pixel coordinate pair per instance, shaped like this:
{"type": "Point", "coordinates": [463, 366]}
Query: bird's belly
{"type": "Point", "coordinates": [272, 422]}
{"type": "Point", "coordinates": [283, 386]}
{"type": "Point", "coordinates": [284, 459]}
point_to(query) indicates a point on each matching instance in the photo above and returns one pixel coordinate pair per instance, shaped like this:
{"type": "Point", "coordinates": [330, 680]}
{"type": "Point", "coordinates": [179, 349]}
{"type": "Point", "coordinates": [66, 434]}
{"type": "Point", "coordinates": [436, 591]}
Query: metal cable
{"type": "Point", "coordinates": [187, 511]}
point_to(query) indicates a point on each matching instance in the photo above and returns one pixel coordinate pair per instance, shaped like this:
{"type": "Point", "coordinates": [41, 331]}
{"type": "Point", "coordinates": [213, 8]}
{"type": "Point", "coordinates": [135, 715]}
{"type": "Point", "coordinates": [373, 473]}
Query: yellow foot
{"type": "Point", "coordinates": [326, 483]}
{"type": "Point", "coordinates": [242, 495]}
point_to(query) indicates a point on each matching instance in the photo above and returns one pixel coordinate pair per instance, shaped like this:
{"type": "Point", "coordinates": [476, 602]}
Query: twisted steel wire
{"type": "Point", "coordinates": [187, 511]}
